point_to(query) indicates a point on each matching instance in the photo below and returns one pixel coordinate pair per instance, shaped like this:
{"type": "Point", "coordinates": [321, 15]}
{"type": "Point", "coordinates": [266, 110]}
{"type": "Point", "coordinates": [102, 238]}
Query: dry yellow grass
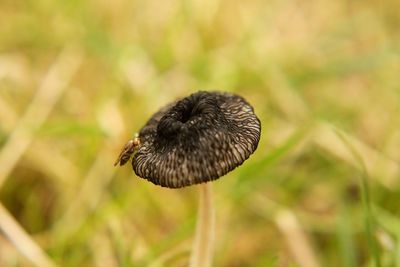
{"type": "Point", "coordinates": [79, 78]}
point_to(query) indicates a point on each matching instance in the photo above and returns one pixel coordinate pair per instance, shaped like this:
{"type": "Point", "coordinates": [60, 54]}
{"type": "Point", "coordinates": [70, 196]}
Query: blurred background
{"type": "Point", "coordinates": [79, 78]}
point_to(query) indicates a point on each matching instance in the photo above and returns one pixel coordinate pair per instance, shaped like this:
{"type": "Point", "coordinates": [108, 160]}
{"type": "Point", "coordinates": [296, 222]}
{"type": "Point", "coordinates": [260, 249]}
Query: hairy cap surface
{"type": "Point", "coordinates": [196, 139]}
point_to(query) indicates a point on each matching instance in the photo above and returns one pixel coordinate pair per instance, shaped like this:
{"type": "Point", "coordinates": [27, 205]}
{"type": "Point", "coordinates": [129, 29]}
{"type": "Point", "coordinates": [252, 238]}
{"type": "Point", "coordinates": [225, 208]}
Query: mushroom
{"type": "Point", "coordinates": [195, 140]}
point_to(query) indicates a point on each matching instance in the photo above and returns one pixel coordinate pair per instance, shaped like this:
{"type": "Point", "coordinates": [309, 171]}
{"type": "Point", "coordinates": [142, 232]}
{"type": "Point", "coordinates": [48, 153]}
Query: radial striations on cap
{"type": "Point", "coordinates": [197, 139]}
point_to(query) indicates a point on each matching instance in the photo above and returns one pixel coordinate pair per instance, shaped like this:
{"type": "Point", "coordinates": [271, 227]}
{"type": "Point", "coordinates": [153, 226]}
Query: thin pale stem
{"type": "Point", "coordinates": [202, 251]}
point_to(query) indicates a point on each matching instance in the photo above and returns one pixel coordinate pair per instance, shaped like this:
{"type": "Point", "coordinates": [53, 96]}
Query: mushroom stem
{"type": "Point", "coordinates": [202, 250]}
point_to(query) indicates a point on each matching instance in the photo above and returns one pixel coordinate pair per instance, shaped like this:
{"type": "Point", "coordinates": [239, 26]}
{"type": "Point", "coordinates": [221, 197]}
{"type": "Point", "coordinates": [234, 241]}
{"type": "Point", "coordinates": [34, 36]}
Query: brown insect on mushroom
{"type": "Point", "coordinates": [127, 151]}
{"type": "Point", "coordinates": [194, 140]}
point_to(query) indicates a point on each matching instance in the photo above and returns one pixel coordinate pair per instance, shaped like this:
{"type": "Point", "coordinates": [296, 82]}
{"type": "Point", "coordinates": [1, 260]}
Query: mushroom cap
{"type": "Point", "coordinates": [196, 139]}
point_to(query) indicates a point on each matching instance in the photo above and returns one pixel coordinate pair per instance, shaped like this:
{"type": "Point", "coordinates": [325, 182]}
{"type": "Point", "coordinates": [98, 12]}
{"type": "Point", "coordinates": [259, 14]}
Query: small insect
{"type": "Point", "coordinates": [127, 151]}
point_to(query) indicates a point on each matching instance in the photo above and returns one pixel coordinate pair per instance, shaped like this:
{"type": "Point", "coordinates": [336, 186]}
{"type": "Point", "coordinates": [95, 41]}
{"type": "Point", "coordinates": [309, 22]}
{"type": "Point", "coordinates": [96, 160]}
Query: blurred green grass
{"type": "Point", "coordinates": [310, 69]}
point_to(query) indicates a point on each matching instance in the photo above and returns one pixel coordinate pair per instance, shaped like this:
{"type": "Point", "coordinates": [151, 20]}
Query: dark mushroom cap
{"type": "Point", "coordinates": [196, 139]}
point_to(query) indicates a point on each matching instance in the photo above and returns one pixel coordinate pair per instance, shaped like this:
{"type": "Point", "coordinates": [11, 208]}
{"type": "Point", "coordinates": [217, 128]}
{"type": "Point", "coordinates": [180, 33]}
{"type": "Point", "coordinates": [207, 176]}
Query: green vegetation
{"type": "Point", "coordinates": [79, 78]}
